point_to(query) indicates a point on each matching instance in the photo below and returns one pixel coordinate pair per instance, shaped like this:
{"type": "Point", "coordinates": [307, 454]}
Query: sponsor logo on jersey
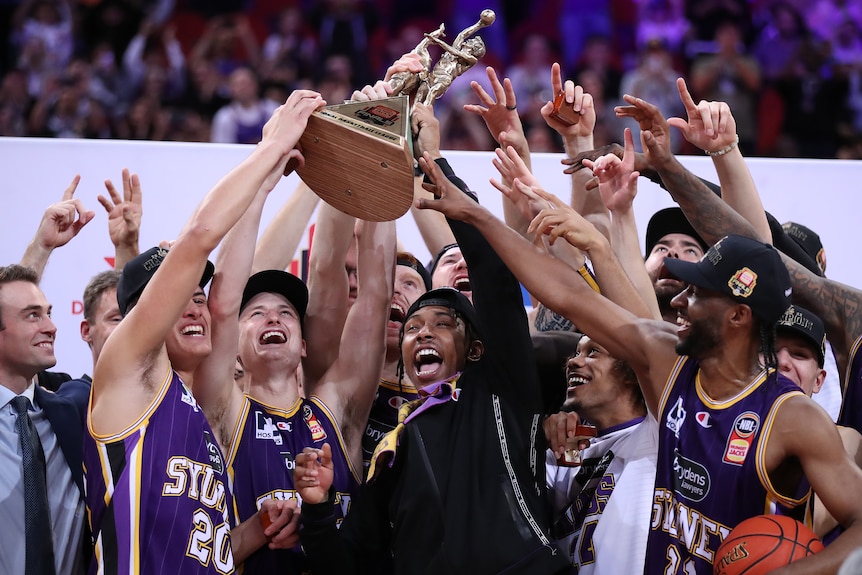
{"type": "Point", "coordinates": [675, 417]}
{"type": "Point", "coordinates": [187, 397]}
{"type": "Point", "coordinates": [317, 431]}
{"type": "Point", "coordinates": [742, 283]}
{"type": "Point", "coordinates": [289, 461]}
{"type": "Point", "coordinates": [704, 419]}
{"type": "Point", "coordinates": [691, 479]}
{"type": "Point", "coordinates": [284, 425]}
{"type": "Point", "coordinates": [740, 438]}
{"type": "Point", "coordinates": [264, 428]}
{"type": "Point", "coordinates": [214, 453]}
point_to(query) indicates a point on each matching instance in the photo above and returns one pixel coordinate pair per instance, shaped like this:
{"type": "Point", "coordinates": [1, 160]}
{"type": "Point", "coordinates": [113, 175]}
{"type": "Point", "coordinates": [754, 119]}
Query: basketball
{"type": "Point", "coordinates": [763, 543]}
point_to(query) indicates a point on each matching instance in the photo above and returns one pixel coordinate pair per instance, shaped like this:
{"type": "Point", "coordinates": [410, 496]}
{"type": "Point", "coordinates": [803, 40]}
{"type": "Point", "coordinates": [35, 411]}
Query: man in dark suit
{"type": "Point", "coordinates": [41, 436]}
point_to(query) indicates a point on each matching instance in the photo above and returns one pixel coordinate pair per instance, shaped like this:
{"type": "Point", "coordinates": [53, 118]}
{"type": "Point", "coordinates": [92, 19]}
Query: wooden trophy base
{"type": "Point", "coordinates": [358, 158]}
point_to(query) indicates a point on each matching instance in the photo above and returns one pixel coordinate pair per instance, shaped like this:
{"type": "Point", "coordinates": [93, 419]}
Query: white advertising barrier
{"type": "Point", "coordinates": [823, 195]}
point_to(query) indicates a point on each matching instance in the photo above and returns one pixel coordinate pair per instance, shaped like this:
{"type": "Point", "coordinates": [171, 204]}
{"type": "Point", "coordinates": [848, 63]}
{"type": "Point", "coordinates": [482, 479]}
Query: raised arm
{"type": "Point", "coordinates": [647, 345]}
{"type": "Point", "coordinates": [277, 245]}
{"type": "Point", "coordinates": [618, 188]}
{"type": "Point", "coordinates": [134, 361]}
{"type": "Point", "coordinates": [328, 290]}
{"type": "Point", "coordinates": [124, 217]}
{"type": "Point", "coordinates": [349, 386]}
{"type": "Point", "coordinates": [60, 223]}
{"type": "Point", "coordinates": [712, 128]}
{"type": "Point", "coordinates": [216, 391]}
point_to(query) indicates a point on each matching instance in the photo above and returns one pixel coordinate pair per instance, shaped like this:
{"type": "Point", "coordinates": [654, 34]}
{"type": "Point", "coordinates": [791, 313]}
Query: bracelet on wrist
{"type": "Point", "coordinates": [723, 151]}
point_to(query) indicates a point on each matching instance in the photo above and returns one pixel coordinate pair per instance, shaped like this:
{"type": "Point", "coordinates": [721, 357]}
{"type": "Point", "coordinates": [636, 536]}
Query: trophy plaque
{"type": "Point", "coordinates": [359, 156]}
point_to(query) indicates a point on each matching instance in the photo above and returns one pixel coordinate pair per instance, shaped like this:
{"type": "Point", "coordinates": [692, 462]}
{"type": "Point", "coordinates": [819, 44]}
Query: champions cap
{"type": "Point", "coordinates": [808, 240]}
{"type": "Point", "coordinates": [280, 282]}
{"type": "Point", "coordinates": [447, 297]}
{"type": "Point", "coordinates": [140, 270]}
{"type": "Point", "coordinates": [747, 270]}
{"type": "Point", "coordinates": [801, 322]}
{"type": "Point", "coordinates": [669, 221]}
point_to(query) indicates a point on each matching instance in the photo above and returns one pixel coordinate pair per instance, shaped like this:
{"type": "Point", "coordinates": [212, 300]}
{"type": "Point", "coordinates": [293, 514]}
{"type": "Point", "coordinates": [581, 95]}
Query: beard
{"type": "Point", "coordinates": [703, 337]}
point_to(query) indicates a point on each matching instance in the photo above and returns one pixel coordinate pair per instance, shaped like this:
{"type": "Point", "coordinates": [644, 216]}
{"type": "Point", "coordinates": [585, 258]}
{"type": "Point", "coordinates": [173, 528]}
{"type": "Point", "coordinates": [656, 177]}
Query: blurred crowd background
{"type": "Point", "coordinates": [213, 70]}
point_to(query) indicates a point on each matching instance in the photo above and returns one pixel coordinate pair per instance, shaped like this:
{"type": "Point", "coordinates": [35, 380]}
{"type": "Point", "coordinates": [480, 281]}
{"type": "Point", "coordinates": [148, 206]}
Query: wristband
{"type": "Point", "coordinates": [723, 151]}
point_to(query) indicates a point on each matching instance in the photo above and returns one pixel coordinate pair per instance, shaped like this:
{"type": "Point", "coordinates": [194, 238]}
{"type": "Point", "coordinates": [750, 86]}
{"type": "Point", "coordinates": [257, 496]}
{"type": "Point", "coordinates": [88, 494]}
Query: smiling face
{"type": "Point", "coordinates": [798, 361]}
{"type": "Point", "coordinates": [699, 316]}
{"type": "Point", "coordinates": [270, 331]}
{"type": "Point", "coordinates": [27, 337]}
{"type": "Point", "coordinates": [409, 285]}
{"type": "Point", "coordinates": [595, 379]}
{"type": "Point", "coordinates": [189, 342]}
{"type": "Point", "coordinates": [451, 271]}
{"type": "Point", "coordinates": [435, 345]}
{"type": "Point", "coordinates": [680, 246]}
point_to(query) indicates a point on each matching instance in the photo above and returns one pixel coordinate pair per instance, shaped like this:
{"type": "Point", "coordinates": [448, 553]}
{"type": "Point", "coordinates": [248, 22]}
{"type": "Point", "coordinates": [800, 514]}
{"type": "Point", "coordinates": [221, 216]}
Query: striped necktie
{"type": "Point", "coordinates": [39, 554]}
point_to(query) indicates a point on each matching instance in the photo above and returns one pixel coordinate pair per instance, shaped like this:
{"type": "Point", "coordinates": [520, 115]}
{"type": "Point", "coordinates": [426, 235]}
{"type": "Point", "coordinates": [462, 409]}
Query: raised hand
{"type": "Point", "coordinates": [450, 201]}
{"type": "Point", "coordinates": [499, 111]}
{"type": "Point", "coordinates": [426, 130]}
{"type": "Point", "coordinates": [409, 62]}
{"type": "Point", "coordinates": [710, 125]}
{"type": "Point", "coordinates": [617, 177]}
{"type": "Point", "coordinates": [289, 120]}
{"type": "Point", "coordinates": [63, 220]}
{"type": "Point", "coordinates": [513, 169]}
{"type": "Point", "coordinates": [559, 220]}
{"type": "Point", "coordinates": [575, 97]}
{"type": "Point", "coordinates": [313, 473]}
{"type": "Point", "coordinates": [124, 212]}
{"type": "Point", "coordinates": [649, 119]}
{"type": "Point", "coordinates": [381, 89]}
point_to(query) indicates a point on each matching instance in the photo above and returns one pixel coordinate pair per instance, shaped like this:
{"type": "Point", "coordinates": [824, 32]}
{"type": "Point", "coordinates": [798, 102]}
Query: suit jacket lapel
{"type": "Point", "coordinates": [64, 418]}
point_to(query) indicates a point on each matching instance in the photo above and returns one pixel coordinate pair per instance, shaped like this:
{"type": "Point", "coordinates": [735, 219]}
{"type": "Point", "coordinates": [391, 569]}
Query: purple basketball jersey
{"type": "Point", "coordinates": [261, 463]}
{"type": "Point", "coordinates": [157, 494]}
{"type": "Point", "coordinates": [851, 406]}
{"type": "Point", "coordinates": [384, 414]}
{"type": "Point", "coordinates": [711, 473]}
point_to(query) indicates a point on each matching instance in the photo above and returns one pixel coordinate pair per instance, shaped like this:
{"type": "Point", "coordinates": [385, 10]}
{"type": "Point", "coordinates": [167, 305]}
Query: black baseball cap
{"type": "Point", "coordinates": [280, 282]}
{"type": "Point", "coordinates": [808, 240]}
{"type": "Point", "coordinates": [447, 297]}
{"type": "Point", "coordinates": [669, 221]}
{"type": "Point", "coordinates": [747, 270]}
{"type": "Point", "coordinates": [138, 272]}
{"type": "Point", "coordinates": [805, 324]}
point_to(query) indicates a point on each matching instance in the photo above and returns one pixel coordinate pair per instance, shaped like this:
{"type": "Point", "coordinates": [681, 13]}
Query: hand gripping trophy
{"type": "Point", "coordinates": [457, 58]}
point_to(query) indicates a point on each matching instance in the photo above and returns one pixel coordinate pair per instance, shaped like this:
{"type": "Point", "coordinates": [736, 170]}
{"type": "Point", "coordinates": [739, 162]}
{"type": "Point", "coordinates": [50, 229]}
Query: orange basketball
{"type": "Point", "coordinates": [763, 543]}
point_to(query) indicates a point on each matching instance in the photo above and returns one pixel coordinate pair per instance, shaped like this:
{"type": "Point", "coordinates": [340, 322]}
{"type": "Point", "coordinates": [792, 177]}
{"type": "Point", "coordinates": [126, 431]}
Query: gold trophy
{"type": "Point", "coordinates": [359, 156]}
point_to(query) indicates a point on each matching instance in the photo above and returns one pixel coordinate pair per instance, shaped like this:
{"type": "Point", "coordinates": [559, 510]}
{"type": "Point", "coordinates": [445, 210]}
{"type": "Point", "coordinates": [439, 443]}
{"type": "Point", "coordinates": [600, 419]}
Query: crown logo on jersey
{"type": "Point", "coordinates": [742, 283]}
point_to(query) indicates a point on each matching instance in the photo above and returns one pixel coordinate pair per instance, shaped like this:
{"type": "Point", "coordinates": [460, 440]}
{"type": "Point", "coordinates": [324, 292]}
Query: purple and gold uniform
{"type": "Point", "coordinates": [157, 493]}
{"type": "Point", "coordinates": [384, 414]}
{"type": "Point", "coordinates": [710, 473]}
{"type": "Point", "coordinates": [851, 406]}
{"type": "Point", "coordinates": [261, 463]}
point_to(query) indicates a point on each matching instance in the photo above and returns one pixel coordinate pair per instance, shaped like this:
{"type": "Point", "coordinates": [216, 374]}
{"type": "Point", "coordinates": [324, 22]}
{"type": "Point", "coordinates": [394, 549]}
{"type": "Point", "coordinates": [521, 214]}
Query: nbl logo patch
{"type": "Point", "coordinates": [741, 437]}
{"type": "Point", "coordinates": [317, 431]}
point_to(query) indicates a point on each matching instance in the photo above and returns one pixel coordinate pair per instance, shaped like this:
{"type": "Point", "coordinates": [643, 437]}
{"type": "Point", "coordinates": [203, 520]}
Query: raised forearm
{"type": "Point", "coordinates": [624, 240]}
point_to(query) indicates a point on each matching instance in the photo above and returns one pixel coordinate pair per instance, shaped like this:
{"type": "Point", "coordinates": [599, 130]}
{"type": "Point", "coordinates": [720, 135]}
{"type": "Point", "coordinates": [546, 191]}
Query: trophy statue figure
{"type": "Point", "coordinates": [408, 82]}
